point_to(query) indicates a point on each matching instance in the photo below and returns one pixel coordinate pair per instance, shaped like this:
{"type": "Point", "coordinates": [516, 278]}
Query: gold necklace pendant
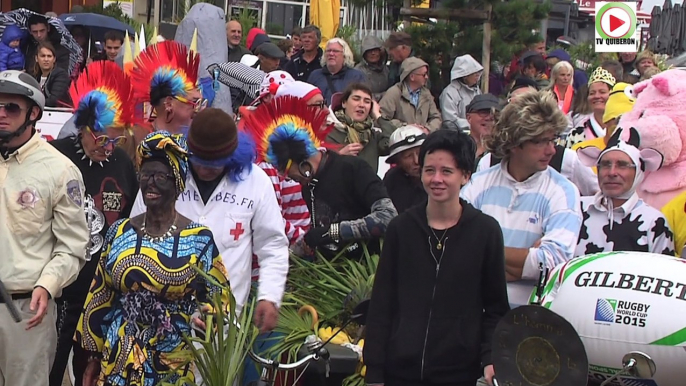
{"type": "Point", "coordinates": [439, 246]}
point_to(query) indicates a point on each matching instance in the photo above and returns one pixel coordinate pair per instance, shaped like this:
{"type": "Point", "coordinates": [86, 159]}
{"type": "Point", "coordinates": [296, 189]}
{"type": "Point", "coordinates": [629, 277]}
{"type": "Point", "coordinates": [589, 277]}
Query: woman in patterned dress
{"type": "Point", "coordinates": [145, 289]}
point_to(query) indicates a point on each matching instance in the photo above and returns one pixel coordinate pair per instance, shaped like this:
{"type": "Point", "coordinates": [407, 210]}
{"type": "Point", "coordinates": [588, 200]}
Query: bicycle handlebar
{"type": "Point", "coordinates": [281, 366]}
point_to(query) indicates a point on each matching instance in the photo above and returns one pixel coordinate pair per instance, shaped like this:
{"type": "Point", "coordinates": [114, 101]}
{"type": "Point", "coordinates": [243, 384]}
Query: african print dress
{"type": "Point", "coordinates": [140, 303]}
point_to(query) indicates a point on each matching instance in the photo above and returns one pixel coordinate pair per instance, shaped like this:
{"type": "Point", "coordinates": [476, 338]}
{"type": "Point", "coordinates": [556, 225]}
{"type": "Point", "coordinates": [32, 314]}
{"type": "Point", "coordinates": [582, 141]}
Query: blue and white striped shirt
{"type": "Point", "coordinates": [545, 207]}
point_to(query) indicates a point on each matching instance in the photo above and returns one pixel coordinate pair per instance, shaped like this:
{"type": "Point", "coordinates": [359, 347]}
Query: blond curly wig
{"type": "Point", "coordinates": [532, 114]}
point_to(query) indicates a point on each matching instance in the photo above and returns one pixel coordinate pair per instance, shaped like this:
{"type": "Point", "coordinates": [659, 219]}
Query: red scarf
{"type": "Point", "coordinates": [565, 104]}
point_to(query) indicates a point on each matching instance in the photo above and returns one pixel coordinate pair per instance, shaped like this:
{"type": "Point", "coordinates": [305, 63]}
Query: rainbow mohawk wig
{"type": "Point", "coordinates": [102, 97]}
{"type": "Point", "coordinates": [287, 129]}
{"type": "Point", "coordinates": [164, 69]}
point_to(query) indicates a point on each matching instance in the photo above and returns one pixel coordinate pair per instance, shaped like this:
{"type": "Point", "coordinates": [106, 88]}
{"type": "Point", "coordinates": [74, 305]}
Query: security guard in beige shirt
{"type": "Point", "coordinates": [43, 232]}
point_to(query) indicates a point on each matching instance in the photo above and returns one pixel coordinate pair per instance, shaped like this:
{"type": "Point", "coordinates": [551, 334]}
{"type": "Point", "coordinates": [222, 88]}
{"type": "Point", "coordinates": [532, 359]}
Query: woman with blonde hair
{"type": "Point", "coordinates": [337, 70]}
{"type": "Point", "coordinates": [561, 78]}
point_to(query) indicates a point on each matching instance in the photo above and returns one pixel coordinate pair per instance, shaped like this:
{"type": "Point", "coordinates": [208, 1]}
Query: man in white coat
{"type": "Point", "coordinates": [236, 200]}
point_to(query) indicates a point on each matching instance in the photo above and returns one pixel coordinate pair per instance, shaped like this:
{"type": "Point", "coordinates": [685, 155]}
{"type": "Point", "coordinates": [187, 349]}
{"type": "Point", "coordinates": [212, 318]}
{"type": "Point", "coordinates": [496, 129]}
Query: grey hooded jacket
{"type": "Point", "coordinates": [455, 98]}
{"type": "Point", "coordinates": [212, 47]}
{"type": "Point", "coordinates": [377, 74]}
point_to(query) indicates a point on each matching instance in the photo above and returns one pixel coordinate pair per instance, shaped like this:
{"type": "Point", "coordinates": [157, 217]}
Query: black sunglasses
{"type": "Point", "coordinates": [159, 177]}
{"type": "Point", "coordinates": [12, 109]}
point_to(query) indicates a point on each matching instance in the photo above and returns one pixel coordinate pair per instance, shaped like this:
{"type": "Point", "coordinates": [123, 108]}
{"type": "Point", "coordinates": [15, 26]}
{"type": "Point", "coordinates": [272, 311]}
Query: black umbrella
{"type": "Point", "coordinates": [677, 25]}
{"type": "Point", "coordinates": [20, 17]}
{"type": "Point", "coordinates": [655, 28]}
{"type": "Point", "coordinates": [663, 41]}
{"type": "Point", "coordinates": [97, 24]}
{"type": "Point", "coordinates": [239, 76]}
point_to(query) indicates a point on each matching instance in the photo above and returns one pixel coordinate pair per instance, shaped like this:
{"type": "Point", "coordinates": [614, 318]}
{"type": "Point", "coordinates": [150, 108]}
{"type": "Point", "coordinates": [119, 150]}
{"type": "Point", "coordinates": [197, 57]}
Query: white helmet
{"type": "Point", "coordinates": [404, 138]}
{"type": "Point", "coordinates": [20, 83]}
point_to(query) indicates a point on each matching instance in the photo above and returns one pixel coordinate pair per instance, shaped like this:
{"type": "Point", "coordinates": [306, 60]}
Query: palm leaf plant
{"type": "Point", "coordinates": [332, 287]}
{"type": "Point", "coordinates": [220, 355]}
{"type": "Point", "coordinates": [293, 327]}
{"type": "Point", "coordinates": [322, 293]}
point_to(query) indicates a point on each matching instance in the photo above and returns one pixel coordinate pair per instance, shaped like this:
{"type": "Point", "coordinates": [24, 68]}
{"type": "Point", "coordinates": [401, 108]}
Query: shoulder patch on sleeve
{"type": "Point", "coordinates": [74, 192]}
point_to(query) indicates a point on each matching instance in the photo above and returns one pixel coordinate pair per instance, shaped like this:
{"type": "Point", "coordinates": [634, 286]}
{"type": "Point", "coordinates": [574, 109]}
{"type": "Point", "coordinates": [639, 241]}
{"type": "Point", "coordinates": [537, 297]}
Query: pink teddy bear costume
{"type": "Point", "coordinates": [659, 116]}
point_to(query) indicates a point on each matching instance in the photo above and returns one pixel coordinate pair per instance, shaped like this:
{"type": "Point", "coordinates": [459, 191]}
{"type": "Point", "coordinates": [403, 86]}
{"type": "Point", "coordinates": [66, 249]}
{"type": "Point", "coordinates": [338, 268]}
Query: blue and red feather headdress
{"type": "Point", "coordinates": [164, 69]}
{"type": "Point", "coordinates": [102, 97]}
{"type": "Point", "coordinates": [287, 123]}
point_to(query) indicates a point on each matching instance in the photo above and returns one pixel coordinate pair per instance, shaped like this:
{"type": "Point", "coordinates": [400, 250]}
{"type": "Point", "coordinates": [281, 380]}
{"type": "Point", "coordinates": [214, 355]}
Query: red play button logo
{"type": "Point", "coordinates": [615, 23]}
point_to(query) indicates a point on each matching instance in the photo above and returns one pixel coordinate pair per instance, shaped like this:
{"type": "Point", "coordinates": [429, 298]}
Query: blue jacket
{"type": "Point", "coordinates": [580, 76]}
{"type": "Point", "coordinates": [11, 58]}
{"type": "Point", "coordinates": [339, 81]}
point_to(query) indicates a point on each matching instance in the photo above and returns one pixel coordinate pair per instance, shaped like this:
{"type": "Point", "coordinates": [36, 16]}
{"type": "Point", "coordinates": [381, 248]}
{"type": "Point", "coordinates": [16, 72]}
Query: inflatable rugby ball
{"type": "Point", "coordinates": [625, 301]}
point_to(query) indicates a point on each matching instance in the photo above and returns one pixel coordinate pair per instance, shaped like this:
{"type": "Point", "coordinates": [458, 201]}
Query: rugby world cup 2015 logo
{"type": "Point", "coordinates": [605, 310]}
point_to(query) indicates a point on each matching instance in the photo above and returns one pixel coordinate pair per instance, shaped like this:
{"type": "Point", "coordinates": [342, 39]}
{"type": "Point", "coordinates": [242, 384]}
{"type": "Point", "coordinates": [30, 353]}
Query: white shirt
{"type": "Point", "coordinates": [244, 218]}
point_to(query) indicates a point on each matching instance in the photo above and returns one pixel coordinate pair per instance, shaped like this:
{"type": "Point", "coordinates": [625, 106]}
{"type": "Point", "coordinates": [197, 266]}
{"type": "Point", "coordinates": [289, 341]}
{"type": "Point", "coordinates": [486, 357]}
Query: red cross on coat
{"type": "Point", "coordinates": [237, 231]}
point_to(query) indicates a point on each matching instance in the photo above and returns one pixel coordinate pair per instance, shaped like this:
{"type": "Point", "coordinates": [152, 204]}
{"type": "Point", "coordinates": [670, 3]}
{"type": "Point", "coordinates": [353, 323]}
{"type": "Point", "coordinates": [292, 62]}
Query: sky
{"type": "Point", "coordinates": [649, 4]}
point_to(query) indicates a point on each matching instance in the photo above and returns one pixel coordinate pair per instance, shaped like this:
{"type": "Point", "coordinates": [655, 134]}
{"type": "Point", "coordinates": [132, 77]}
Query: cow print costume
{"type": "Point", "coordinates": [589, 130]}
{"type": "Point", "coordinates": [633, 226]}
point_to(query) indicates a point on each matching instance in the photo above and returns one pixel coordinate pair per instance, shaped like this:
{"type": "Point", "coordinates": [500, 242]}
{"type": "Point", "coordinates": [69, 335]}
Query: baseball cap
{"type": "Point", "coordinates": [527, 55]}
{"type": "Point", "coordinates": [522, 82]}
{"type": "Point", "coordinates": [483, 102]}
{"type": "Point", "coordinates": [270, 50]}
{"type": "Point", "coordinates": [404, 138]}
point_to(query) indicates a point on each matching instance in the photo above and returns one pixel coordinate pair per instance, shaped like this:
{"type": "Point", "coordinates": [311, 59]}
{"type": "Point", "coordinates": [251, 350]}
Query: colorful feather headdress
{"type": "Point", "coordinates": [287, 130]}
{"type": "Point", "coordinates": [102, 97]}
{"type": "Point", "coordinates": [164, 69]}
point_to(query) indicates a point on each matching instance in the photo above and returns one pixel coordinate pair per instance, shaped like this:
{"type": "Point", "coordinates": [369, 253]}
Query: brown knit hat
{"type": "Point", "coordinates": [212, 135]}
{"type": "Point", "coordinates": [398, 39]}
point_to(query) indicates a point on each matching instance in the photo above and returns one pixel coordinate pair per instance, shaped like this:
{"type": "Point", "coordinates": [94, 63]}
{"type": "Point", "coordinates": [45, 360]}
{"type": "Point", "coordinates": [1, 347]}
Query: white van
{"type": "Point", "coordinates": [52, 121]}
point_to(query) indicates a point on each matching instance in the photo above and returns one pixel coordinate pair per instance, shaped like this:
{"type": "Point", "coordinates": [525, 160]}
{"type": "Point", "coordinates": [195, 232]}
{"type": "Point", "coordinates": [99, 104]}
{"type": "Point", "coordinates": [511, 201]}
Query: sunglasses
{"type": "Point", "coordinates": [198, 104]}
{"type": "Point", "coordinates": [620, 165]}
{"type": "Point", "coordinates": [482, 113]}
{"type": "Point", "coordinates": [159, 177]}
{"type": "Point", "coordinates": [543, 142]}
{"type": "Point", "coordinates": [319, 105]}
{"type": "Point", "coordinates": [103, 140]}
{"type": "Point", "coordinates": [11, 109]}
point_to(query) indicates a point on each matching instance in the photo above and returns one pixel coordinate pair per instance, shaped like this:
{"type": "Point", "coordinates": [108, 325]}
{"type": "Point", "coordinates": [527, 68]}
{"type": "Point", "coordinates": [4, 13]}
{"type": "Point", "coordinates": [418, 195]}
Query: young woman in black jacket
{"type": "Point", "coordinates": [440, 287]}
{"type": "Point", "coordinates": [54, 80]}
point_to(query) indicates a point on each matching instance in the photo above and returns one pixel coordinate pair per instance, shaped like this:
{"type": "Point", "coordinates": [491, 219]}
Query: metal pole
{"type": "Point", "coordinates": [567, 14]}
{"type": "Point", "coordinates": [486, 51]}
{"type": "Point", "coordinates": [157, 13]}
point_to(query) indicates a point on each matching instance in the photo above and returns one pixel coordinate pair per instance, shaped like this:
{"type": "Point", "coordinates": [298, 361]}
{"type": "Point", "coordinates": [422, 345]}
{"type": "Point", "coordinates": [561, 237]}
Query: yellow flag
{"type": "Point", "coordinates": [136, 46]}
{"type": "Point", "coordinates": [194, 41]}
{"type": "Point", "coordinates": [128, 55]}
{"type": "Point", "coordinates": [153, 40]}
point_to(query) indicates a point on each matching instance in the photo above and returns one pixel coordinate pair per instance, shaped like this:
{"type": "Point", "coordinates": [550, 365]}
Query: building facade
{"type": "Point", "coordinates": [43, 6]}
